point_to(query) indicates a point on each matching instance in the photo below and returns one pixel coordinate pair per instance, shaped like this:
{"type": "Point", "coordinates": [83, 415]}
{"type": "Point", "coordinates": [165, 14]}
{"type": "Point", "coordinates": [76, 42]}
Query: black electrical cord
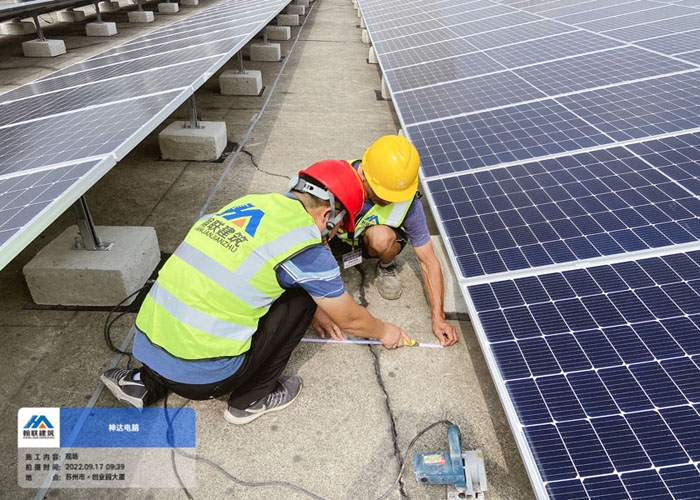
{"type": "Point", "coordinates": [109, 322]}
{"type": "Point", "coordinates": [284, 484]}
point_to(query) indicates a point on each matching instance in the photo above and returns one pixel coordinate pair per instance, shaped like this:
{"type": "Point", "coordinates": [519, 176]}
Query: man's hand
{"type": "Point", "coordinates": [445, 332]}
{"type": "Point", "coordinates": [393, 336]}
{"type": "Point", "coordinates": [323, 324]}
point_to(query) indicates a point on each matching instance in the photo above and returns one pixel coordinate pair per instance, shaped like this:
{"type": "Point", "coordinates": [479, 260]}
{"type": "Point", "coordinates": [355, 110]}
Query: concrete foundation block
{"type": "Point", "coordinates": [17, 28]}
{"type": "Point", "coordinates": [71, 16]}
{"type": "Point", "coordinates": [189, 3]}
{"type": "Point", "coordinates": [168, 8]}
{"type": "Point", "coordinates": [288, 20]}
{"type": "Point", "coordinates": [126, 3]}
{"type": "Point", "coordinates": [241, 83]}
{"type": "Point", "coordinates": [298, 10]}
{"type": "Point", "coordinates": [365, 36]}
{"type": "Point", "coordinates": [108, 6]}
{"type": "Point", "coordinates": [43, 48]}
{"type": "Point", "coordinates": [60, 274]}
{"type": "Point", "coordinates": [305, 3]}
{"type": "Point", "coordinates": [386, 95]}
{"type": "Point", "coordinates": [278, 32]}
{"type": "Point", "coordinates": [453, 300]}
{"type": "Point", "coordinates": [372, 56]}
{"type": "Point", "coordinates": [362, 22]}
{"type": "Point", "coordinates": [265, 52]}
{"type": "Point", "coordinates": [179, 142]}
{"type": "Point", "coordinates": [101, 29]}
{"type": "Point", "coordinates": [141, 16]}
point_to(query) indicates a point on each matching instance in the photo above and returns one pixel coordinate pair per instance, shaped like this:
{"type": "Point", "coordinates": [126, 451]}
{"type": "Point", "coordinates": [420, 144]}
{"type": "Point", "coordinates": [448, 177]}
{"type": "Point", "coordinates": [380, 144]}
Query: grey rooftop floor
{"type": "Point", "coordinates": [345, 437]}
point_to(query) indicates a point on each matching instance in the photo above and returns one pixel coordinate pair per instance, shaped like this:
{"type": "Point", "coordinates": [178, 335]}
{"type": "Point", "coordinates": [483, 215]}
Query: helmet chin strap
{"type": "Point", "coordinates": [297, 184]}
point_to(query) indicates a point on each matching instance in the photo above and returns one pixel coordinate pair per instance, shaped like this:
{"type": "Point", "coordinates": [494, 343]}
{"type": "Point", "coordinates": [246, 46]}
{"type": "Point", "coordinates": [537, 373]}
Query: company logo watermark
{"type": "Point", "coordinates": [39, 428]}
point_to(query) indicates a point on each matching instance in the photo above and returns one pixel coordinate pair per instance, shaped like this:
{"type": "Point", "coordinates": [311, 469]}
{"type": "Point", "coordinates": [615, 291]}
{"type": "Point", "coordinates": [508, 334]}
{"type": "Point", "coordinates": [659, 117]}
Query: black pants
{"type": "Point", "coordinates": [278, 333]}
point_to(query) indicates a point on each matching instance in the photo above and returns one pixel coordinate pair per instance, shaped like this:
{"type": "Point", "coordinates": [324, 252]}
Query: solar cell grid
{"type": "Point", "coordinates": [464, 96]}
{"type": "Point", "coordinates": [439, 71]}
{"type": "Point", "coordinates": [550, 48]}
{"type": "Point", "coordinates": [637, 17]}
{"type": "Point", "coordinates": [675, 43]}
{"type": "Point", "coordinates": [655, 29]}
{"type": "Point", "coordinates": [406, 30]}
{"type": "Point", "coordinates": [641, 109]}
{"type": "Point", "coordinates": [507, 19]}
{"type": "Point", "coordinates": [615, 400]}
{"type": "Point", "coordinates": [618, 65]}
{"type": "Point", "coordinates": [505, 135]}
{"type": "Point", "coordinates": [603, 11]}
{"type": "Point", "coordinates": [691, 57]}
{"type": "Point", "coordinates": [526, 31]}
{"type": "Point", "coordinates": [562, 210]}
{"type": "Point", "coordinates": [426, 53]}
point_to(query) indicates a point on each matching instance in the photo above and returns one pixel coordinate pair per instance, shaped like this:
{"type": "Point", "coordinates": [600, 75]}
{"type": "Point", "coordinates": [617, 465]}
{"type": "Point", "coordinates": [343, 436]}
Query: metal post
{"type": "Point", "coordinates": [39, 32]}
{"type": "Point", "coordinates": [194, 122]}
{"type": "Point", "coordinates": [97, 11]}
{"type": "Point", "coordinates": [89, 239]}
{"type": "Point", "coordinates": [140, 7]}
{"type": "Point", "coordinates": [240, 62]}
{"type": "Point", "coordinates": [265, 35]}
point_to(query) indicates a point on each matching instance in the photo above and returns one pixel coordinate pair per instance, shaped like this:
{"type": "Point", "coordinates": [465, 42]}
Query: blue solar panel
{"type": "Point", "coordinates": [606, 394]}
{"type": "Point", "coordinates": [517, 133]}
{"type": "Point", "coordinates": [558, 154]}
{"type": "Point", "coordinates": [607, 67]}
{"type": "Point", "coordinates": [562, 210]}
{"type": "Point", "coordinates": [642, 109]}
{"type": "Point", "coordinates": [464, 96]}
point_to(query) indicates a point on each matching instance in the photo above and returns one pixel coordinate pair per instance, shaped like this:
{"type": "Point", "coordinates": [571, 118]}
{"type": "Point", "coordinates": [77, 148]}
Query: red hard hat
{"type": "Point", "coordinates": [343, 181]}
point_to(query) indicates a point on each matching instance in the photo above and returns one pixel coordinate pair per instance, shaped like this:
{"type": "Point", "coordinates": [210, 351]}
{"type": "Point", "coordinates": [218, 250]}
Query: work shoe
{"type": "Point", "coordinates": [288, 388]}
{"type": "Point", "coordinates": [388, 281]}
{"type": "Point", "coordinates": [122, 384]}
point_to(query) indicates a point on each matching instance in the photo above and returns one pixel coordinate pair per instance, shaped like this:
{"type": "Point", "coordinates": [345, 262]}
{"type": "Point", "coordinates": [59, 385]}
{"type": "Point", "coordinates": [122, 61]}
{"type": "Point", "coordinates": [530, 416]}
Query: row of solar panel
{"type": "Point", "coordinates": [60, 133]}
{"type": "Point", "coordinates": [554, 149]}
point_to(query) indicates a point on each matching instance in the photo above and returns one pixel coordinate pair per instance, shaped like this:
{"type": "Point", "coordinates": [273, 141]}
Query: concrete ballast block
{"type": "Point", "coordinates": [278, 32]}
{"type": "Point", "coordinates": [101, 29]}
{"type": "Point", "coordinates": [265, 52]}
{"type": "Point", "coordinates": [17, 28]}
{"type": "Point", "coordinates": [168, 8]}
{"type": "Point", "coordinates": [189, 3]}
{"type": "Point", "coordinates": [180, 142]}
{"type": "Point", "coordinates": [241, 83]}
{"type": "Point", "coordinates": [108, 6]}
{"type": "Point", "coordinates": [61, 274]}
{"type": "Point", "coordinates": [298, 10]}
{"type": "Point", "coordinates": [305, 3]}
{"type": "Point", "coordinates": [288, 20]}
{"type": "Point", "coordinates": [43, 48]}
{"type": "Point", "coordinates": [71, 16]}
{"type": "Point", "coordinates": [385, 90]}
{"type": "Point", "coordinates": [453, 298]}
{"type": "Point", "coordinates": [365, 36]}
{"type": "Point", "coordinates": [141, 16]}
{"type": "Point", "coordinates": [372, 56]}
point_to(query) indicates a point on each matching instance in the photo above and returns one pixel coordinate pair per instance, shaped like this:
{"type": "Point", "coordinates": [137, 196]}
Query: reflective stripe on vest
{"type": "Point", "coordinates": [222, 278]}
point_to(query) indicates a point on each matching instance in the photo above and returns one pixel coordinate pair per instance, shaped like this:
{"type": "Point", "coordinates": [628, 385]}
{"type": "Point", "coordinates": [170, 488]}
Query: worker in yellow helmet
{"type": "Point", "coordinates": [391, 216]}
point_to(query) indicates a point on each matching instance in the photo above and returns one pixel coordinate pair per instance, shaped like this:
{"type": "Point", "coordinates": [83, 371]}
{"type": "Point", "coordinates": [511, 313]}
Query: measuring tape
{"type": "Point", "coordinates": [377, 342]}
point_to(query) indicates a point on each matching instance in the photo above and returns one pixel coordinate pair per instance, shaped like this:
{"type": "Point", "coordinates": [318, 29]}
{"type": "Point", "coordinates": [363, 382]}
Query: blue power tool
{"type": "Point", "coordinates": [462, 471]}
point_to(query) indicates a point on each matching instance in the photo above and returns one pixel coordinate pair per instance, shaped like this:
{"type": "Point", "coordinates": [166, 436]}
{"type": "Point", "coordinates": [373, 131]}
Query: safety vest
{"type": "Point", "coordinates": [222, 278]}
{"type": "Point", "coordinates": [391, 215]}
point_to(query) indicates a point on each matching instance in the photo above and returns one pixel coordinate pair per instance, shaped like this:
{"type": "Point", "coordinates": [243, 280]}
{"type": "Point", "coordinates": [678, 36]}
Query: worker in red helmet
{"type": "Point", "coordinates": [391, 217]}
{"type": "Point", "coordinates": [234, 300]}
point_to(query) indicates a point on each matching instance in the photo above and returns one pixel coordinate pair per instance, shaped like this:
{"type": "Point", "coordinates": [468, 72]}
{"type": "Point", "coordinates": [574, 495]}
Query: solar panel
{"type": "Point", "coordinates": [601, 366]}
{"type": "Point", "coordinates": [91, 114]}
{"type": "Point", "coordinates": [559, 145]}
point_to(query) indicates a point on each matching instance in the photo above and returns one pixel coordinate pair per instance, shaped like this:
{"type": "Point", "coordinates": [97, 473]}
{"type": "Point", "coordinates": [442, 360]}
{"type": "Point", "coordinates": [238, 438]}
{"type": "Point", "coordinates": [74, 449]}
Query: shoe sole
{"type": "Point", "coordinates": [244, 420]}
{"type": "Point", "coordinates": [116, 391]}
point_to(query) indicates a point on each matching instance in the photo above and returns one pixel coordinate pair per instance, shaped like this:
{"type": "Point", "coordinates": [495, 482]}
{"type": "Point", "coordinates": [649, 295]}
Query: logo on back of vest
{"type": "Point", "coordinates": [247, 217]}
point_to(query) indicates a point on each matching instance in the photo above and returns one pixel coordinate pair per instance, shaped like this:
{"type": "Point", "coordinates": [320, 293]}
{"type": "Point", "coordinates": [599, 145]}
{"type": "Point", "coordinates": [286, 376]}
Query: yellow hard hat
{"type": "Point", "coordinates": [390, 166]}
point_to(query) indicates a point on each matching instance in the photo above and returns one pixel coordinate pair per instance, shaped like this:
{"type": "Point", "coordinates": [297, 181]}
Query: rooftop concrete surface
{"type": "Point", "coordinates": [346, 435]}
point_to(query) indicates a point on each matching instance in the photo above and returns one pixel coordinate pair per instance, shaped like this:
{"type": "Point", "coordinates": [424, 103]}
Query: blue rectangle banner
{"type": "Point", "coordinates": [127, 428]}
